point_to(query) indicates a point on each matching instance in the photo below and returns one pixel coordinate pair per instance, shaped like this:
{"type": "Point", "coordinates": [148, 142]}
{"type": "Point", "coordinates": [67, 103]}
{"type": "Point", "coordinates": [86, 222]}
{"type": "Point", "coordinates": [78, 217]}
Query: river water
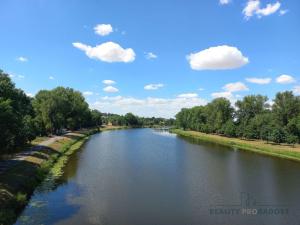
{"type": "Point", "coordinates": [149, 177]}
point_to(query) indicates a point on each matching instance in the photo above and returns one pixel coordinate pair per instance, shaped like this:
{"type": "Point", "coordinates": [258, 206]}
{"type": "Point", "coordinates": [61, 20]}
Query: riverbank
{"type": "Point", "coordinates": [257, 146]}
{"type": "Point", "coordinates": [18, 183]}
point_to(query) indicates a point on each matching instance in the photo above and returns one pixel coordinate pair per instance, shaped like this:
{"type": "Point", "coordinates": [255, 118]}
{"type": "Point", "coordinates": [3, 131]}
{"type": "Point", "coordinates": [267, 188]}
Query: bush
{"type": "Point", "coordinates": [291, 139]}
{"type": "Point", "coordinates": [229, 129]}
{"type": "Point", "coordinates": [21, 198]}
{"type": "Point", "coordinates": [278, 135]}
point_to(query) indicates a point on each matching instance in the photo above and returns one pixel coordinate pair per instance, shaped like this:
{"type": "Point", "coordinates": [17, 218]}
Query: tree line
{"type": "Point", "coordinates": [22, 118]}
{"type": "Point", "coordinates": [250, 118]}
{"type": "Point", "coordinates": [135, 121]}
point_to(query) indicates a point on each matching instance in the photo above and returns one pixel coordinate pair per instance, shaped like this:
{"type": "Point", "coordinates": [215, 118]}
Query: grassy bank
{"type": "Point", "coordinates": [18, 183]}
{"type": "Point", "coordinates": [257, 146]}
{"type": "Point", "coordinates": [107, 128]}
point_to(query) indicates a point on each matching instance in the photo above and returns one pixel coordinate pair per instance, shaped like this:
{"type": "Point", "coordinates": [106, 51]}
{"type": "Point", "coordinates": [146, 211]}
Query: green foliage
{"type": "Point", "coordinates": [183, 119]}
{"type": "Point", "coordinates": [61, 108]}
{"type": "Point", "coordinates": [293, 126]}
{"type": "Point", "coordinates": [292, 139]}
{"type": "Point", "coordinates": [209, 119]}
{"type": "Point", "coordinates": [131, 120]}
{"type": "Point", "coordinates": [253, 118]}
{"type": "Point", "coordinates": [23, 118]}
{"type": "Point", "coordinates": [52, 111]}
{"type": "Point", "coordinates": [135, 121]}
{"type": "Point", "coordinates": [7, 216]}
{"type": "Point", "coordinates": [96, 118]}
{"type": "Point", "coordinates": [247, 110]}
{"type": "Point", "coordinates": [21, 198]}
{"type": "Point", "coordinates": [154, 122]}
{"type": "Point", "coordinates": [286, 107]}
{"type": "Point", "coordinates": [229, 129]}
{"type": "Point", "coordinates": [218, 112]}
{"type": "Point", "coordinates": [277, 135]}
{"type": "Point", "coordinates": [16, 116]}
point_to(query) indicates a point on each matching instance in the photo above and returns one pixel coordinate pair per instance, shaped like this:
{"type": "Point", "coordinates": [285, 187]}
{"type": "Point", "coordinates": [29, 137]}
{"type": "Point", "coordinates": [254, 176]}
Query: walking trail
{"type": "Point", "coordinates": [14, 159]}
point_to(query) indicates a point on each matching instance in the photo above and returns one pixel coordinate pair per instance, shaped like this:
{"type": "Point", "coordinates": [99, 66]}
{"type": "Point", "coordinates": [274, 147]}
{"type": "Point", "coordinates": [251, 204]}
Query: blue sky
{"type": "Point", "coordinates": [161, 55]}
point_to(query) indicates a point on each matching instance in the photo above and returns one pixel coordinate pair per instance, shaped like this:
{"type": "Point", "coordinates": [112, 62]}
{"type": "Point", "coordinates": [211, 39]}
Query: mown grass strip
{"type": "Point", "coordinates": [285, 152]}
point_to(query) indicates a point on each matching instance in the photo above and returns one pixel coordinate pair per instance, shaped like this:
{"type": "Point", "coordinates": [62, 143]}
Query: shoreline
{"type": "Point", "coordinates": [255, 146]}
{"type": "Point", "coordinates": [19, 183]}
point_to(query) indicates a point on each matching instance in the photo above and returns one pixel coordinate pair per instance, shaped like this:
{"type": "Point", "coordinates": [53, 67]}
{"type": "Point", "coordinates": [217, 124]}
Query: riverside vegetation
{"type": "Point", "coordinates": [252, 118]}
{"type": "Point", "coordinates": [254, 124]}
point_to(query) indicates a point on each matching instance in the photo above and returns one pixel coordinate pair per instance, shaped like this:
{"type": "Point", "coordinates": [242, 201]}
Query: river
{"type": "Point", "coordinates": [149, 177]}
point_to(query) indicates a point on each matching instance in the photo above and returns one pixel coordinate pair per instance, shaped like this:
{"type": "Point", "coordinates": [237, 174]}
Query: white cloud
{"type": "Point", "coordinates": [16, 76]}
{"type": "Point", "coordinates": [224, 2]}
{"type": "Point", "coordinates": [150, 55]}
{"type": "Point", "coordinates": [283, 12]}
{"type": "Point", "coordinates": [108, 82]}
{"type": "Point", "coordinates": [234, 87]}
{"type": "Point", "coordinates": [296, 90]}
{"type": "Point", "coordinates": [285, 79]}
{"type": "Point", "coordinates": [188, 95]}
{"type": "Point", "coordinates": [153, 86]}
{"type": "Point", "coordinates": [51, 78]}
{"type": "Point", "coordinates": [107, 52]}
{"type": "Point", "coordinates": [103, 29]}
{"type": "Point", "coordinates": [270, 102]}
{"type": "Point", "coordinates": [110, 89]}
{"type": "Point", "coordinates": [226, 94]}
{"type": "Point", "coordinates": [253, 7]}
{"type": "Point", "coordinates": [30, 95]}
{"type": "Point", "coordinates": [22, 59]}
{"type": "Point", "coordinates": [88, 93]}
{"type": "Point", "coordinates": [256, 80]}
{"type": "Point", "coordinates": [201, 89]}
{"type": "Point", "coordinates": [269, 9]}
{"type": "Point", "coordinates": [163, 107]}
{"type": "Point", "coordinates": [217, 58]}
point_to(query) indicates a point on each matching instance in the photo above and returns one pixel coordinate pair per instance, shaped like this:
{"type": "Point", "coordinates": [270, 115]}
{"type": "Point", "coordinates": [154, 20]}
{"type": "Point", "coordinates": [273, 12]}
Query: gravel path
{"type": "Point", "coordinates": [8, 163]}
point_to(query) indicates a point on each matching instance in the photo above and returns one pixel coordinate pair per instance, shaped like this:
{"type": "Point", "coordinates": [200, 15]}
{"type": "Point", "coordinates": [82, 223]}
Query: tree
{"type": "Point", "coordinates": [131, 120]}
{"type": "Point", "coordinates": [291, 139]}
{"type": "Point", "coordinates": [218, 112]}
{"type": "Point", "coordinates": [16, 115]}
{"type": "Point", "coordinates": [229, 129]}
{"type": "Point", "coordinates": [96, 118]}
{"type": "Point", "coordinates": [252, 119]}
{"type": "Point", "coordinates": [114, 119]}
{"type": "Point", "coordinates": [286, 107]}
{"type": "Point", "coordinates": [60, 108]}
{"type": "Point", "coordinates": [278, 135]}
{"type": "Point", "coordinates": [293, 127]}
{"type": "Point", "coordinates": [247, 109]}
{"type": "Point", "coordinates": [182, 118]}
{"type": "Point", "coordinates": [258, 127]}
{"type": "Point", "coordinates": [198, 118]}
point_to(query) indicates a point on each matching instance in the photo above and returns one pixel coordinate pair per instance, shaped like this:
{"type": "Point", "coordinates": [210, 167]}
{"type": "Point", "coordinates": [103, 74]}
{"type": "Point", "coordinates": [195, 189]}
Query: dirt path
{"type": "Point", "coordinates": [8, 163]}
